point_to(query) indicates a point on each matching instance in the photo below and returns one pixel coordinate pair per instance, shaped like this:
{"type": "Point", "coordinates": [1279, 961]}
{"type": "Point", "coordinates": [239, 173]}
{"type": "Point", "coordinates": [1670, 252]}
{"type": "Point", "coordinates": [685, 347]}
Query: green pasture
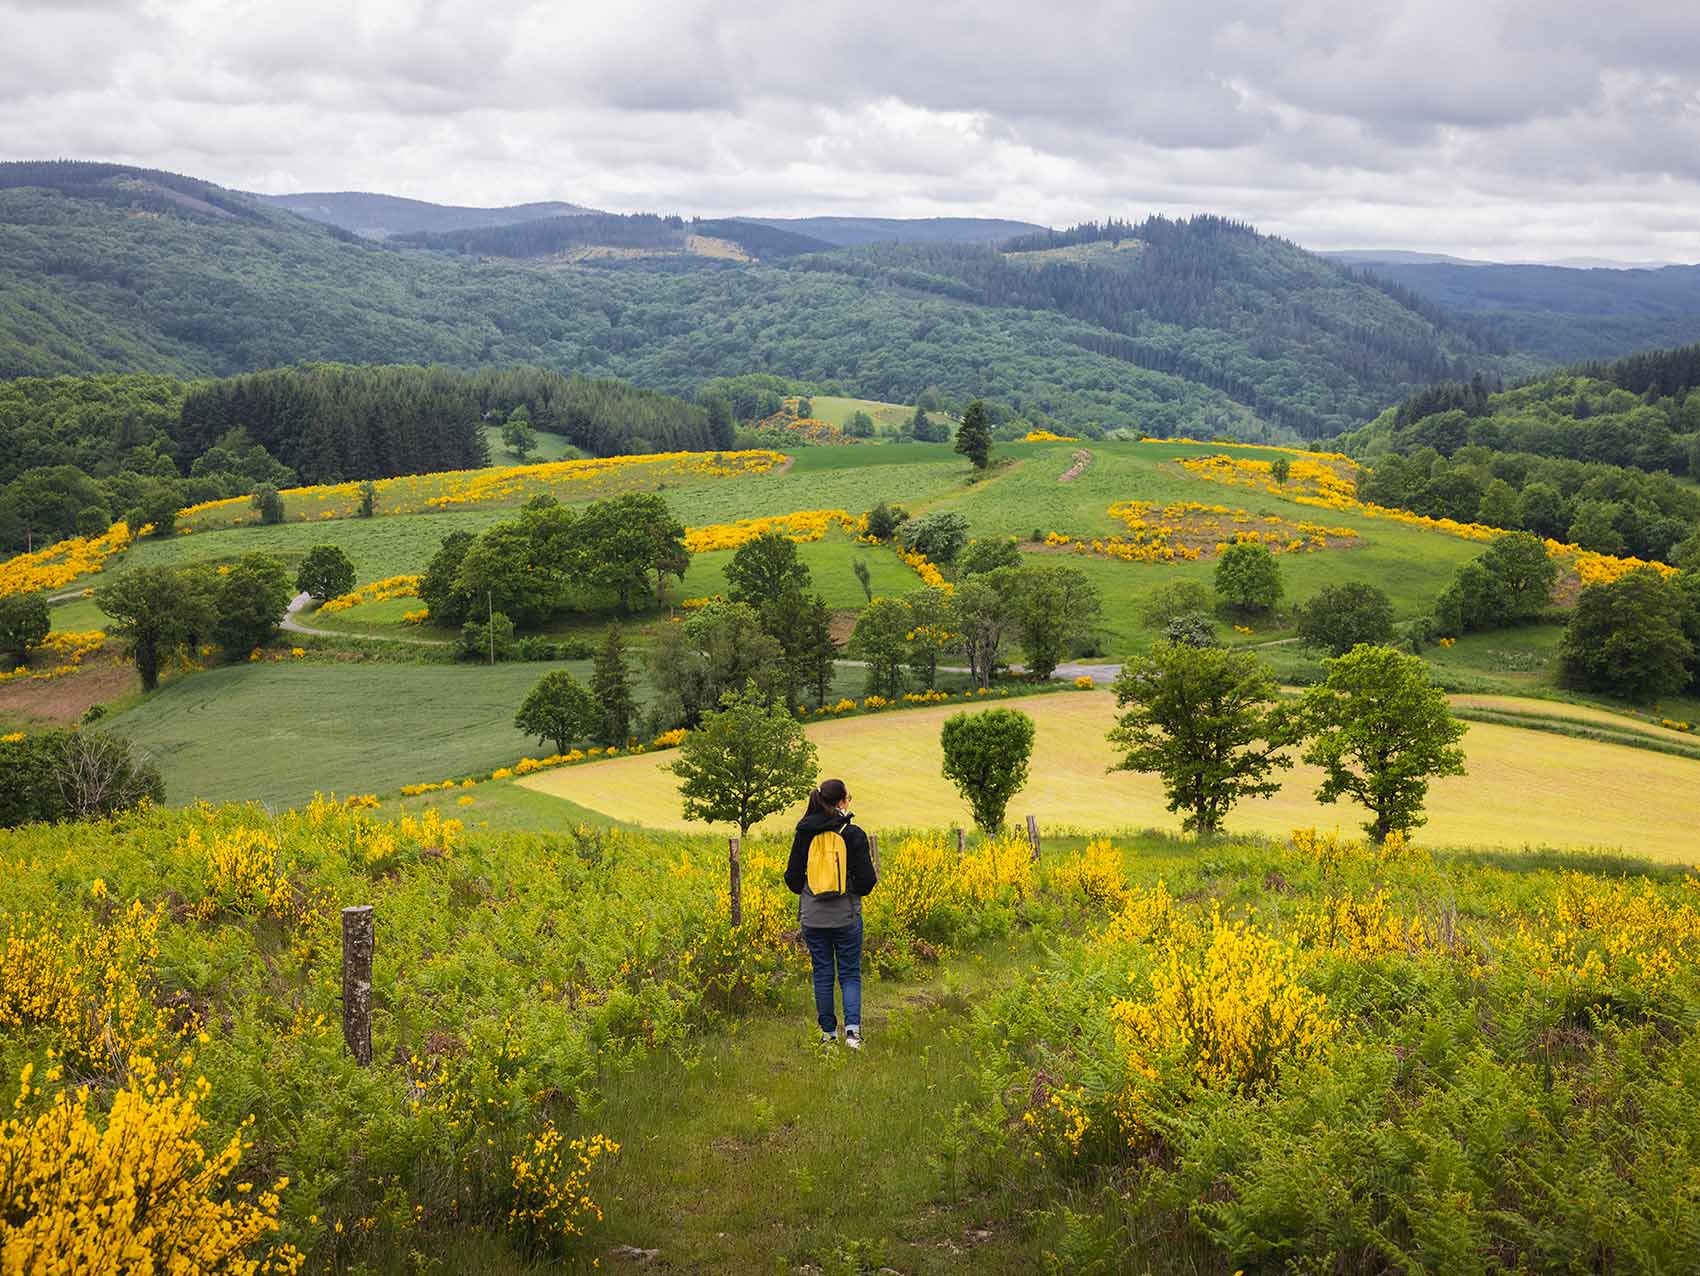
{"type": "Point", "coordinates": [831, 572]}
{"type": "Point", "coordinates": [550, 447]}
{"type": "Point", "coordinates": [888, 418]}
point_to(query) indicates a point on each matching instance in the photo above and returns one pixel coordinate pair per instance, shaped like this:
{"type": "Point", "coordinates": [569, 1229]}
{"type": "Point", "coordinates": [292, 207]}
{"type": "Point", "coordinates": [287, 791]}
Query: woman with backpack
{"type": "Point", "coordinates": [830, 870]}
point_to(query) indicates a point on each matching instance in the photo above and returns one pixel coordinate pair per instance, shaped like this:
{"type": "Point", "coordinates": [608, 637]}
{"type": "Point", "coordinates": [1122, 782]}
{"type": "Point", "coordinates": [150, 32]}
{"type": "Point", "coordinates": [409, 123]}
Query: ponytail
{"type": "Point", "coordinates": [825, 799]}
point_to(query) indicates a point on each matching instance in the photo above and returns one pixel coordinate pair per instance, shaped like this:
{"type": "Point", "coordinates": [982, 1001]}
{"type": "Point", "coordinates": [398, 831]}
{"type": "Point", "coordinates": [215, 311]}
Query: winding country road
{"type": "Point", "coordinates": [299, 604]}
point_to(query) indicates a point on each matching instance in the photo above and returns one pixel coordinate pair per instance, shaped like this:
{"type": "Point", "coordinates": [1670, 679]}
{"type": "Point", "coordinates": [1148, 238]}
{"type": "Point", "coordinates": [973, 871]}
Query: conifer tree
{"type": "Point", "coordinates": [611, 683]}
{"type": "Point", "coordinates": [974, 436]}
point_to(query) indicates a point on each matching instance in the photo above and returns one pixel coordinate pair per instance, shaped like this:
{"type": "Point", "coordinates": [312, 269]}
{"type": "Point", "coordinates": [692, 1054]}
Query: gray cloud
{"type": "Point", "coordinates": [1518, 128]}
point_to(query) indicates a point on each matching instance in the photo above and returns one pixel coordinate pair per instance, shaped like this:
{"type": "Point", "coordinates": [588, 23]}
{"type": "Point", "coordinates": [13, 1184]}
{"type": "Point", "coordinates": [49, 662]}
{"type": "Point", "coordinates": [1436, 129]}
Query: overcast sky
{"type": "Point", "coordinates": [1512, 129]}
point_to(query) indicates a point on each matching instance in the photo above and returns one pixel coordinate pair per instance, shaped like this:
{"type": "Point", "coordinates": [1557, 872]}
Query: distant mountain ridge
{"type": "Point", "coordinates": [382, 216]}
{"type": "Point", "coordinates": [853, 232]}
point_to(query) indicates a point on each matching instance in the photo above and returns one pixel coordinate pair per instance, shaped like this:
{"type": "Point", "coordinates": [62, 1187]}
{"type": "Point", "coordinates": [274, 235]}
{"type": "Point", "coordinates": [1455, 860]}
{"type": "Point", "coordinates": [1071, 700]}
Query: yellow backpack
{"type": "Point", "coordinates": [828, 858]}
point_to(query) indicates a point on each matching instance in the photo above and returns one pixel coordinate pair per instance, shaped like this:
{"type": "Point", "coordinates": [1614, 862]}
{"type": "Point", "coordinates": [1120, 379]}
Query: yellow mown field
{"type": "Point", "coordinates": [1525, 788]}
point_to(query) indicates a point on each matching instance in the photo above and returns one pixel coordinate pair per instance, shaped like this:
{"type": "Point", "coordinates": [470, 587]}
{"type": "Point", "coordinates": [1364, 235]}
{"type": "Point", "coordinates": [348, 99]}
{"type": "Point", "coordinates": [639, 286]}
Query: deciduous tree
{"type": "Point", "coordinates": [986, 755]}
{"type": "Point", "coordinates": [1382, 730]}
{"type": "Point", "coordinates": [1205, 720]}
{"type": "Point", "coordinates": [559, 709]}
{"type": "Point", "coordinates": [1248, 578]}
{"type": "Point", "coordinates": [745, 761]}
{"type": "Point", "coordinates": [326, 572]}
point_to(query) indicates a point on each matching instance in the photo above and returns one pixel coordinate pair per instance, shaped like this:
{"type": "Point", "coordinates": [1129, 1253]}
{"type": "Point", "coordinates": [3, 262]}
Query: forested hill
{"type": "Point", "coordinates": [1558, 313]}
{"type": "Point", "coordinates": [853, 232]}
{"type": "Point", "coordinates": [1199, 326]}
{"type": "Point", "coordinates": [75, 451]}
{"type": "Point", "coordinates": [380, 216]}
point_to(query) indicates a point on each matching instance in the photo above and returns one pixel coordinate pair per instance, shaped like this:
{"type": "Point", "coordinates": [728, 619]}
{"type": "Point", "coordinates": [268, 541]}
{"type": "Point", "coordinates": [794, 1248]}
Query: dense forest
{"type": "Point", "coordinates": [646, 232]}
{"type": "Point", "coordinates": [75, 451]}
{"type": "Point", "coordinates": [1592, 454]}
{"type": "Point", "coordinates": [1205, 328]}
{"type": "Point", "coordinates": [1560, 314]}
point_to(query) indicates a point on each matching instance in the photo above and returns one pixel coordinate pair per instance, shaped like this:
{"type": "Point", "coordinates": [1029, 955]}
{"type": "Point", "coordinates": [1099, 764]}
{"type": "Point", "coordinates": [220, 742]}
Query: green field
{"type": "Point", "coordinates": [550, 447]}
{"type": "Point", "coordinates": [889, 418]}
{"type": "Point", "coordinates": [1524, 788]}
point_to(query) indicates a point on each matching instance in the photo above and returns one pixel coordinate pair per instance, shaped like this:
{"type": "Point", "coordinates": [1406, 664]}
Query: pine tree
{"type": "Point", "coordinates": [610, 682]}
{"type": "Point", "coordinates": [973, 436]}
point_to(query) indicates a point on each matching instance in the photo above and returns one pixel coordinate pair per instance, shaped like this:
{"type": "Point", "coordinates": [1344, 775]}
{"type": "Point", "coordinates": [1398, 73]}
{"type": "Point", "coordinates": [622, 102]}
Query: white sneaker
{"type": "Point", "coordinates": [853, 1037]}
{"type": "Point", "coordinates": [828, 1038]}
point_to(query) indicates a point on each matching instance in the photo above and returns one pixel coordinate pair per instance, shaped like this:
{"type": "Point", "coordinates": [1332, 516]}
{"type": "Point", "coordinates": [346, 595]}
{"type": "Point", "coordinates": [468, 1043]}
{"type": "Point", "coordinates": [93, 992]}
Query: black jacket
{"type": "Point", "coordinates": [859, 873]}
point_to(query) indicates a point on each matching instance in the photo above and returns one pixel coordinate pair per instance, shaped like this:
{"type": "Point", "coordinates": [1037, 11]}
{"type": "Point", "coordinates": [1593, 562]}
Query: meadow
{"type": "Point", "coordinates": [1523, 788]}
{"type": "Point", "coordinates": [578, 1061]}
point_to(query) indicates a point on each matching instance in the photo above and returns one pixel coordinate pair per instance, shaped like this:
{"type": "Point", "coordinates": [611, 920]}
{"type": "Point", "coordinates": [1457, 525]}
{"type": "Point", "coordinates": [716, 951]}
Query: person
{"type": "Point", "coordinates": [830, 870]}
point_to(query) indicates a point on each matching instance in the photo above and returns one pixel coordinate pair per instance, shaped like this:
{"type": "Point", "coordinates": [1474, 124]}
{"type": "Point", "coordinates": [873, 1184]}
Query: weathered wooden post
{"type": "Point", "coordinates": [358, 938]}
{"type": "Point", "coordinates": [874, 851]}
{"type": "Point", "coordinates": [737, 880]}
{"type": "Point", "coordinates": [961, 844]}
{"type": "Point", "coordinates": [1033, 835]}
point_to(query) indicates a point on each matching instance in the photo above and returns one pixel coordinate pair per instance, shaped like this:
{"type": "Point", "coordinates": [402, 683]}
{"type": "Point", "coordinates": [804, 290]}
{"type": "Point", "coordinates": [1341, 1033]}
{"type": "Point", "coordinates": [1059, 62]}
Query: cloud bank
{"type": "Point", "coordinates": [1500, 128]}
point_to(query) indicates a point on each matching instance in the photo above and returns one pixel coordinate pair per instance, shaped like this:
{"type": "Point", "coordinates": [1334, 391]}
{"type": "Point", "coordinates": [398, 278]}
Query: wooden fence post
{"type": "Point", "coordinates": [874, 851]}
{"type": "Point", "coordinates": [737, 881]}
{"type": "Point", "coordinates": [1033, 835]}
{"type": "Point", "coordinates": [961, 844]}
{"type": "Point", "coordinates": [358, 940]}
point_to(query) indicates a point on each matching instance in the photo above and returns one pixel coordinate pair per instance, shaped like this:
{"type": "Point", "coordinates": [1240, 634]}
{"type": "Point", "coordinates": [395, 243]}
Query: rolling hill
{"type": "Point", "coordinates": [1199, 326]}
{"type": "Point", "coordinates": [381, 216]}
{"type": "Point", "coordinates": [853, 232]}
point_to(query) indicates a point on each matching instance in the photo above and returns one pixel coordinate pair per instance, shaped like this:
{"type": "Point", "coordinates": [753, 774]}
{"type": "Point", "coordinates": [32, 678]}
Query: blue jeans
{"type": "Point", "coordinates": [843, 945]}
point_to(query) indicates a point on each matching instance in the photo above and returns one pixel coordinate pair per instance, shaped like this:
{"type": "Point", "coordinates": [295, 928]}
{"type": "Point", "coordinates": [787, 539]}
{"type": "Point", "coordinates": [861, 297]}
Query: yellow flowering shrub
{"type": "Point", "coordinates": [1045, 436]}
{"type": "Point", "coordinates": [1095, 875]}
{"type": "Point", "coordinates": [62, 562]}
{"type": "Point", "coordinates": [551, 1183]}
{"type": "Point", "coordinates": [930, 575]}
{"type": "Point", "coordinates": [1149, 915]}
{"type": "Point", "coordinates": [85, 981]}
{"type": "Point", "coordinates": [1360, 926]}
{"type": "Point", "coordinates": [1084, 682]}
{"type": "Point", "coordinates": [243, 875]}
{"type": "Point", "coordinates": [1231, 1016]}
{"type": "Point", "coordinates": [137, 1193]}
{"type": "Point", "coordinates": [800, 526]}
{"type": "Point", "coordinates": [65, 650]}
{"type": "Point", "coordinates": [377, 591]}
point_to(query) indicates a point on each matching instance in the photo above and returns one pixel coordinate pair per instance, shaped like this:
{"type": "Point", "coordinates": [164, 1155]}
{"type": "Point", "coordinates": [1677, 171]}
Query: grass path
{"type": "Point", "coordinates": [765, 1152]}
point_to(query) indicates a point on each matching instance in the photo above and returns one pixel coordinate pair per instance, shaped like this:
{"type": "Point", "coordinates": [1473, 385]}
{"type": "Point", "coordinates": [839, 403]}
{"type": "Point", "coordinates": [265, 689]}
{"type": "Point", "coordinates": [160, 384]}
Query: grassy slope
{"type": "Point", "coordinates": [889, 418]}
{"type": "Point", "coordinates": [550, 447]}
{"type": "Point", "coordinates": [1523, 788]}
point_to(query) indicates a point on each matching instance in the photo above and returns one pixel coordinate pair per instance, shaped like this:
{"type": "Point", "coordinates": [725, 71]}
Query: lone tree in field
{"type": "Point", "coordinates": [744, 762]}
{"type": "Point", "coordinates": [1248, 578]}
{"type": "Point", "coordinates": [1206, 721]}
{"type": "Point", "coordinates": [1382, 731]}
{"type": "Point", "coordinates": [559, 710]}
{"type": "Point", "coordinates": [24, 625]}
{"type": "Point", "coordinates": [517, 435]}
{"type": "Point", "coordinates": [156, 610]}
{"type": "Point", "coordinates": [326, 572]}
{"type": "Point", "coordinates": [974, 435]}
{"type": "Point", "coordinates": [368, 492]}
{"type": "Point", "coordinates": [765, 569]}
{"type": "Point", "coordinates": [1342, 616]}
{"type": "Point", "coordinates": [268, 502]}
{"type": "Point", "coordinates": [1279, 469]}
{"type": "Point", "coordinates": [611, 685]}
{"type": "Point", "coordinates": [986, 756]}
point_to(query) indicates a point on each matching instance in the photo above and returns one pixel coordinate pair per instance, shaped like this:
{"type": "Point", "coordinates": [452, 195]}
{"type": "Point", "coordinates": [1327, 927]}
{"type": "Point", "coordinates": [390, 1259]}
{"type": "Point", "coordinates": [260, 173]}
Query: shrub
{"type": "Point", "coordinates": [1341, 616]}
{"type": "Point", "coordinates": [536, 647]}
{"type": "Point", "coordinates": [884, 520]}
{"type": "Point", "coordinates": [46, 776]}
{"type": "Point", "coordinates": [1177, 598]}
{"type": "Point", "coordinates": [368, 493]}
{"type": "Point", "coordinates": [484, 640]}
{"type": "Point", "coordinates": [986, 757]}
{"type": "Point", "coordinates": [24, 624]}
{"type": "Point", "coordinates": [938, 536]}
{"type": "Point", "coordinates": [267, 501]}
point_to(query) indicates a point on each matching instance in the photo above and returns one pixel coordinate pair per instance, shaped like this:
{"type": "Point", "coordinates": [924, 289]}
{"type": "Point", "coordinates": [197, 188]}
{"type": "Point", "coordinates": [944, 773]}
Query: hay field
{"type": "Point", "coordinates": [1525, 788]}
